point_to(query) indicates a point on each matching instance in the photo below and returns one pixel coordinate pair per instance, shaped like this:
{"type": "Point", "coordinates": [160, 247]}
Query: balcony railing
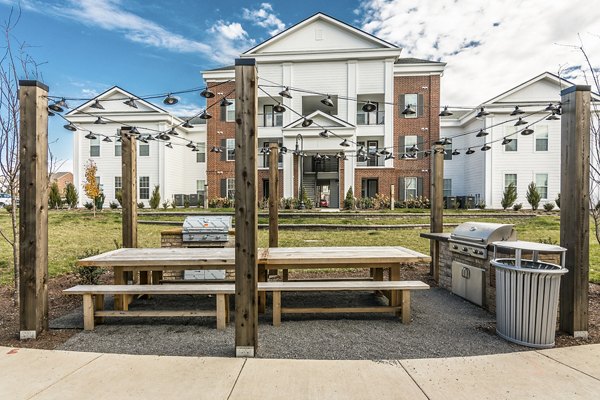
{"type": "Point", "coordinates": [270, 120]}
{"type": "Point", "coordinates": [371, 118]}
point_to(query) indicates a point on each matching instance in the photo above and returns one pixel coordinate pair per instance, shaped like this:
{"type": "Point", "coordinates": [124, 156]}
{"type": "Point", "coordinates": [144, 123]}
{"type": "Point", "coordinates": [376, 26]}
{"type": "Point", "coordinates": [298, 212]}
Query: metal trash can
{"type": "Point", "coordinates": [527, 301]}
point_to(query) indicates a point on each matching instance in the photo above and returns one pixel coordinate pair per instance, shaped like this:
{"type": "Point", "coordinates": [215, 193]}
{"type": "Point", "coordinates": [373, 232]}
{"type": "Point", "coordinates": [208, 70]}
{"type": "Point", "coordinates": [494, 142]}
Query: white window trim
{"type": "Point", "coordinates": [140, 149]}
{"type": "Point", "coordinates": [95, 143]}
{"type": "Point", "coordinates": [406, 147]}
{"type": "Point", "coordinates": [415, 106]}
{"type": "Point", "coordinates": [227, 148]}
{"type": "Point", "coordinates": [504, 185]}
{"type": "Point", "coordinates": [227, 109]}
{"type": "Point", "coordinates": [535, 174]}
{"type": "Point", "coordinates": [535, 139]}
{"type": "Point", "coordinates": [416, 189]}
{"type": "Point", "coordinates": [144, 187]}
{"type": "Point", "coordinates": [231, 190]}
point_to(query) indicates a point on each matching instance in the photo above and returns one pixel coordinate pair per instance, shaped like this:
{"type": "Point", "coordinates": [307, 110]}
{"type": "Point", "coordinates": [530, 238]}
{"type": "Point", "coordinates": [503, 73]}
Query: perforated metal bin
{"type": "Point", "coordinates": [527, 293]}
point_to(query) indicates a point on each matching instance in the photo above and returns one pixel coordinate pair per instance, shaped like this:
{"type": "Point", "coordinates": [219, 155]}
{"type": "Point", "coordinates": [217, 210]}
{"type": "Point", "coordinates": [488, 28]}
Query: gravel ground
{"type": "Point", "coordinates": [443, 325]}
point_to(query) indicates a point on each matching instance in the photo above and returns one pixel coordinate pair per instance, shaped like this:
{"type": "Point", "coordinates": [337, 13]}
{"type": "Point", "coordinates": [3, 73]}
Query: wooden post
{"type": "Point", "coordinates": [574, 209]}
{"type": "Point", "coordinates": [246, 216]}
{"type": "Point", "coordinates": [33, 209]}
{"type": "Point", "coordinates": [129, 206]}
{"type": "Point", "coordinates": [437, 206]}
{"type": "Point", "coordinates": [392, 199]}
{"type": "Point", "coordinates": [274, 195]}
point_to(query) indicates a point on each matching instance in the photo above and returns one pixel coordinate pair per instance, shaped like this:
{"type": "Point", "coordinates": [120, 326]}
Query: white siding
{"type": "Point", "coordinates": [370, 77]}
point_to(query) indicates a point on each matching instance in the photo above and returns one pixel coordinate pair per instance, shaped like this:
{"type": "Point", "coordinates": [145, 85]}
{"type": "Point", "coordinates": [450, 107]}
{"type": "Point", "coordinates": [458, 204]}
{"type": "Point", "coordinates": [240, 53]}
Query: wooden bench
{"type": "Point", "coordinates": [93, 301]}
{"type": "Point", "coordinates": [400, 304]}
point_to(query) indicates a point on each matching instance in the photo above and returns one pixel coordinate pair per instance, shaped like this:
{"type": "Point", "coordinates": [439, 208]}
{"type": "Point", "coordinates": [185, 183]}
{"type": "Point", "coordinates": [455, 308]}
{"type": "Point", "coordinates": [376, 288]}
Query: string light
{"type": "Point", "coordinates": [445, 112]}
{"type": "Point", "coordinates": [527, 131]}
{"type": "Point", "coordinates": [205, 115]}
{"type": "Point", "coordinates": [328, 102]}
{"type": "Point", "coordinates": [131, 102]}
{"type": "Point", "coordinates": [517, 111]}
{"type": "Point", "coordinates": [470, 151]}
{"type": "Point", "coordinates": [369, 107]}
{"type": "Point", "coordinates": [70, 127]}
{"type": "Point", "coordinates": [207, 93]}
{"type": "Point", "coordinates": [345, 143]}
{"type": "Point", "coordinates": [553, 117]}
{"type": "Point", "coordinates": [408, 110]}
{"type": "Point", "coordinates": [278, 108]}
{"type": "Point", "coordinates": [324, 134]}
{"type": "Point", "coordinates": [97, 105]}
{"type": "Point", "coordinates": [107, 139]}
{"type": "Point", "coordinates": [521, 121]}
{"type": "Point", "coordinates": [482, 133]}
{"type": "Point", "coordinates": [170, 100]}
{"type": "Point", "coordinates": [306, 122]}
{"type": "Point", "coordinates": [225, 102]}
{"type": "Point", "coordinates": [99, 121]}
{"type": "Point", "coordinates": [482, 113]}
{"type": "Point", "coordinates": [286, 93]}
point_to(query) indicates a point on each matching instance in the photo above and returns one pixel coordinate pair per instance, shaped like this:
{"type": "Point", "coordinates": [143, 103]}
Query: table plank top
{"type": "Point", "coordinates": [225, 257]}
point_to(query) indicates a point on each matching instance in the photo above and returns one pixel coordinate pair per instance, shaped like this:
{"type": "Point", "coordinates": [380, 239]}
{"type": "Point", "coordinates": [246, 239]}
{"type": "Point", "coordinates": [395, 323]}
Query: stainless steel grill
{"type": "Point", "coordinates": [206, 228]}
{"type": "Point", "coordinates": [473, 238]}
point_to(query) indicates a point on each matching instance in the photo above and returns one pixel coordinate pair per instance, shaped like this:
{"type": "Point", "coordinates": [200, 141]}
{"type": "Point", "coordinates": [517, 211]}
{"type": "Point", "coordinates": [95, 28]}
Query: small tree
{"type": "Point", "coordinates": [54, 199]}
{"type": "Point", "coordinates": [119, 197]}
{"type": "Point", "coordinates": [155, 198]}
{"type": "Point", "coordinates": [557, 200]}
{"type": "Point", "coordinates": [71, 195]}
{"type": "Point", "coordinates": [509, 196]}
{"type": "Point", "coordinates": [533, 196]}
{"type": "Point", "coordinates": [99, 201]}
{"type": "Point", "coordinates": [349, 200]}
{"type": "Point", "coordinates": [90, 186]}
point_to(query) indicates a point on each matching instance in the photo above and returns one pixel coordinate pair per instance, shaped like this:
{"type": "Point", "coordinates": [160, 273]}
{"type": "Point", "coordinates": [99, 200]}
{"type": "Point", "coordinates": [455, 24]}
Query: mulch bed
{"type": "Point", "coordinates": [61, 305]}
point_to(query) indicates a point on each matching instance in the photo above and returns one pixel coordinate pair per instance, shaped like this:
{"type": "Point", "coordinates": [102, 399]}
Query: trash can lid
{"type": "Point", "coordinates": [529, 266]}
{"type": "Point", "coordinates": [531, 246]}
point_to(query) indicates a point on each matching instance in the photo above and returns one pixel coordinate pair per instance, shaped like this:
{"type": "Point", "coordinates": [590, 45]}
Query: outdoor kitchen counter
{"type": "Point", "coordinates": [442, 237]}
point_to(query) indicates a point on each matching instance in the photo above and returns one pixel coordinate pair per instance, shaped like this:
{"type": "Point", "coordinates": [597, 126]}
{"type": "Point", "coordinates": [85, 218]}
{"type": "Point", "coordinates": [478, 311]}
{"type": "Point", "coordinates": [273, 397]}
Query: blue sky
{"type": "Point", "coordinates": [148, 47]}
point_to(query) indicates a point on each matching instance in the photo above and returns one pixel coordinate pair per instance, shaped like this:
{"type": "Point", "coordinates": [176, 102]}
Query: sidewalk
{"type": "Point", "coordinates": [566, 373]}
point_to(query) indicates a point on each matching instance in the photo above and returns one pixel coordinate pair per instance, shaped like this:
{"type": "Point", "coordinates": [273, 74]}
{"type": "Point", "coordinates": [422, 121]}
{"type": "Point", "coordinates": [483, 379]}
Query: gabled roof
{"type": "Point", "coordinates": [115, 90]}
{"type": "Point", "coordinates": [411, 60]}
{"type": "Point", "coordinates": [324, 17]}
{"type": "Point", "coordinates": [322, 119]}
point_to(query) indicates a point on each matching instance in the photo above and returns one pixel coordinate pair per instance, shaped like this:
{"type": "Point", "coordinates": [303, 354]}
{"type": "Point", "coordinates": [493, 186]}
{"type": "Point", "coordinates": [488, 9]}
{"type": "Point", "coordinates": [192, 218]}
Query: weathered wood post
{"type": "Point", "coordinates": [437, 206]}
{"type": "Point", "coordinates": [574, 209]}
{"type": "Point", "coordinates": [246, 218]}
{"type": "Point", "coordinates": [392, 197]}
{"type": "Point", "coordinates": [129, 209]}
{"type": "Point", "coordinates": [274, 195]}
{"type": "Point", "coordinates": [33, 209]}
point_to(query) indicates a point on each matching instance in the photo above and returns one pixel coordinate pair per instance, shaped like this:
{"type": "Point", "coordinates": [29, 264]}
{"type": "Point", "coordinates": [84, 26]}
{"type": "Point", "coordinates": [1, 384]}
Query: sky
{"type": "Point", "coordinates": [84, 47]}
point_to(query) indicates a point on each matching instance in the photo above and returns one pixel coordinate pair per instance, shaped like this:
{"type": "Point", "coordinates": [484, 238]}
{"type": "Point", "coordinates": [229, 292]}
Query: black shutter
{"type": "Point", "coordinates": [419, 186]}
{"type": "Point", "coordinates": [224, 149]}
{"type": "Point", "coordinates": [401, 146]}
{"type": "Point", "coordinates": [420, 146]}
{"type": "Point", "coordinates": [401, 106]}
{"type": "Point", "coordinates": [223, 188]}
{"type": "Point", "coordinates": [401, 189]}
{"type": "Point", "coordinates": [223, 113]}
{"type": "Point", "coordinates": [420, 106]}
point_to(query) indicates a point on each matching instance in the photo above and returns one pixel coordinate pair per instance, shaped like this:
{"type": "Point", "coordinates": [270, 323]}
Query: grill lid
{"type": "Point", "coordinates": [483, 233]}
{"type": "Point", "coordinates": [207, 224]}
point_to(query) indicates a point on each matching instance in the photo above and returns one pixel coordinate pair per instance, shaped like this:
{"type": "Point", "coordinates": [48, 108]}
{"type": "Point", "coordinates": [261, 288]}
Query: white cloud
{"type": "Point", "coordinates": [265, 18]}
{"type": "Point", "coordinates": [110, 15]}
{"type": "Point", "coordinates": [231, 31]}
{"type": "Point", "coordinates": [231, 39]}
{"type": "Point", "coordinates": [489, 46]}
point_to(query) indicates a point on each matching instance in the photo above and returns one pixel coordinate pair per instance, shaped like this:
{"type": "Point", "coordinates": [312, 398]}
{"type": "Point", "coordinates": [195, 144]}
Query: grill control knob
{"type": "Point", "coordinates": [465, 249]}
{"type": "Point", "coordinates": [455, 247]}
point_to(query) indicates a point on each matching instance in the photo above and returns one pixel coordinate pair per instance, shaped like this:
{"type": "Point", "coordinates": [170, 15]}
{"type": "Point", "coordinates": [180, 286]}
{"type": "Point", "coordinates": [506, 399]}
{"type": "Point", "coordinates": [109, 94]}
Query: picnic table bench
{"type": "Point", "coordinates": [93, 301]}
{"type": "Point", "coordinates": [401, 307]}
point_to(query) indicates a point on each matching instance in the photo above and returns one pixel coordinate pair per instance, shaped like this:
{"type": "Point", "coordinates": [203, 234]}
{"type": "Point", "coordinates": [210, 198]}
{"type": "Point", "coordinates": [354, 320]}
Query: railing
{"type": "Point", "coordinates": [270, 120]}
{"type": "Point", "coordinates": [371, 118]}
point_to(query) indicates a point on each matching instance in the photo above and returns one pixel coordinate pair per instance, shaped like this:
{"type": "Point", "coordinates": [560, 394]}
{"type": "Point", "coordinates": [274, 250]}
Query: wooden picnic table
{"type": "Point", "coordinates": [158, 260]}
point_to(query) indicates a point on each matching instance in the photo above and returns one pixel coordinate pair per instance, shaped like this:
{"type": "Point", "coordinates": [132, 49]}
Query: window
{"type": "Point", "coordinates": [372, 147]}
{"type": "Point", "coordinates": [230, 148]}
{"type": "Point", "coordinates": [201, 154]}
{"type": "Point", "coordinates": [512, 146]}
{"type": "Point", "coordinates": [144, 149]}
{"type": "Point", "coordinates": [118, 148]}
{"type": "Point", "coordinates": [447, 187]}
{"type": "Point", "coordinates": [375, 117]}
{"type": "Point", "coordinates": [413, 101]}
{"type": "Point", "coordinates": [410, 188]}
{"type": "Point", "coordinates": [311, 104]}
{"type": "Point", "coordinates": [509, 132]}
{"type": "Point", "coordinates": [369, 187]}
{"type": "Point", "coordinates": [409, 141]}
{"type": "Point", "coordinates": [265, 191]}
{"type": "Point", "coordinates": [264, 160]}
{"type": "Point", "coordinates": [144, 187]}
{"type": "Point", "coordinates": [510, 178]}
{"type": "Point", "coordinates": [541, 138]}
{"type": "Point", "coordinates": [95, 147]}
{"type": "Point", "coordinates": [200, 186]}
{"type": "Point", "coordinates": [230, 111]}
{"type": "Point", "coordinates": [98, 183]}
{"type": "Point", "coordinates": [271, 118]}
{"type": "Point", "coordinates": [230, 188]}
{"type": "Point", "coordinates": [118, 184]}
{"type": "Point", "coordinates": [448, 151]}
{"type": "Point", "coordinates": [541, 181]}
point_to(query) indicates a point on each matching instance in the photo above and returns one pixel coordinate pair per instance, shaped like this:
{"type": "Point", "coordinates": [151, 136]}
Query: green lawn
{"type": "Point", "coordinates": [73, 233]}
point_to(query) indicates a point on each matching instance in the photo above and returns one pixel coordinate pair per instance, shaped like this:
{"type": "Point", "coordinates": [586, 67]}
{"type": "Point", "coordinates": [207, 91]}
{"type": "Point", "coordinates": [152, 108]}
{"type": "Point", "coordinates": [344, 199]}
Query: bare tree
{"type": "Point", "coordinates": [15, 64]}
{"type": "Point", "coordinates": [592, 77]}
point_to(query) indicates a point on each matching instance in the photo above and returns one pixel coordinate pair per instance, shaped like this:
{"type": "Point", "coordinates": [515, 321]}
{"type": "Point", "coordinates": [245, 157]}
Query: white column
{"type": "Point", "coordinates": [388, 139]}
{"type": "Point", "coordinates": [288, 116]}
{"type": "Point", "coordinates": [351, 105]}
{"type": "Point", "coordinates": [77, 165]}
